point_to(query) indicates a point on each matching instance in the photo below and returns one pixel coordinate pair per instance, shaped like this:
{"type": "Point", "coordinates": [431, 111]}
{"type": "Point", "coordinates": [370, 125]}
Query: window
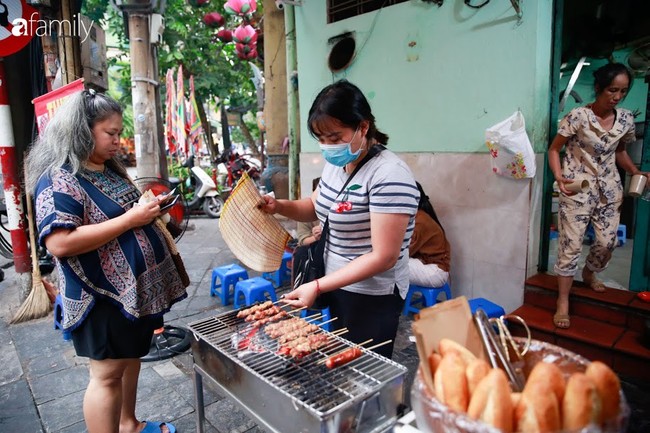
{"type": "Point", "coordinates": [338, 10]}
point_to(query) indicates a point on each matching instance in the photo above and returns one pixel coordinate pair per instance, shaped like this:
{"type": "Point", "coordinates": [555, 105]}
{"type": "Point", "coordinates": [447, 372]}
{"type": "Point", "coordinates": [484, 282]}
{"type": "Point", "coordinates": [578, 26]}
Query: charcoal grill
{"type": "Point", "coordinates": [286, 395]}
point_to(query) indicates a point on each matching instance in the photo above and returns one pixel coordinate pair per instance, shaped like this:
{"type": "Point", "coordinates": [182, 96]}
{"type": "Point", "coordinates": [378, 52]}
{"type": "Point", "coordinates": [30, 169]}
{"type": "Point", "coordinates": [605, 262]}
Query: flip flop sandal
{"type": "Point", "coordinates": [562, 321]}
{"type": "Point", "coordinates": [156, 427]}
{"type": "Point", "coordinates": [597, 286]}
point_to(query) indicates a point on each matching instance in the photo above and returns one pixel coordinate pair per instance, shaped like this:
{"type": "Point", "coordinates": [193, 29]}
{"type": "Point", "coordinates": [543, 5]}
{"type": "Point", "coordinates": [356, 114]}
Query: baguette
{"type": "Point", "coordinates": [434, 362]}
{"type": "Point", "coordinates": [491, 401]}
{"type": "Point", "coordinates": [450, 383]}
{"type": "Point", "coordinates": [446, 346]}
{"type": "Point", "coordinates": [609, 389]}
{"type": "Point", "coordinates": [475, 372]}
{"type": "Point", "coordinates": [551, 373]}
{"type": "Point", "coordinates": [581, 405]}
{"type": "Point", "coordinates": [538, 410]}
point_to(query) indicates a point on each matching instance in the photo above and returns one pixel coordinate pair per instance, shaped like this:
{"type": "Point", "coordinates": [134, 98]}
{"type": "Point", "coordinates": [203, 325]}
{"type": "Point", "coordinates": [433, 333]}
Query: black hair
{"type": "Point", "coordinates": [346, 103]}
{"type": "Point", "coordinates": [98, 107]}
{"type": "Point", "coordinates": [426, 205]}
{"type": "Point", "coordinates": [604, 75]}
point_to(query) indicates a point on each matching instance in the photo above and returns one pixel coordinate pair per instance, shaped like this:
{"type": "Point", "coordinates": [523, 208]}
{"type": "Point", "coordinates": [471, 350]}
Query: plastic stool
{"type": "Point", "coordinates": [429, 297]}
{"type": "Point", "coordinates": [324, 318]}
{"type": "Point", "coordinates": [278, 277]}
{"type": "Point", "coordinates": [621, 234]}
{"type": "Point", "coordinates": [253, 290]}
{"type": "Point", "coordinates": [490, 308]}
{"type": "Point", "coordinates": [58, 317]}
{"type": "Point", "coordinates": [228, 276]}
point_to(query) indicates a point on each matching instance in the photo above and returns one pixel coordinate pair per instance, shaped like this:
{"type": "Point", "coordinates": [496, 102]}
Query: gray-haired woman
{"type": "Point", "coordinates": [117, 277]}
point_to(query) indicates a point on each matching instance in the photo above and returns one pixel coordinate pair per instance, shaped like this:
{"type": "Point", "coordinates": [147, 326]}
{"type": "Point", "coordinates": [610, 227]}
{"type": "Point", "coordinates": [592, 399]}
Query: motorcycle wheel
{"type": "Point", "coordinates": [212, 206]}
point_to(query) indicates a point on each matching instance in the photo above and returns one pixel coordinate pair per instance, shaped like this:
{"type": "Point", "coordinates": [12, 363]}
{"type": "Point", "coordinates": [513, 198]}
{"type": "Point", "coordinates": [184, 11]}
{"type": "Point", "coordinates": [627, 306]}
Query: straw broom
{"type": "Point", "coordinates": [38, 303]}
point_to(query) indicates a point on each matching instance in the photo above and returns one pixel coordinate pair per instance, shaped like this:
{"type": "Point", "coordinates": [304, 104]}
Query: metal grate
{"type": "Point", "coordinates": [306, 381]}
{"type": "Point", "coordinates": [338, 10]}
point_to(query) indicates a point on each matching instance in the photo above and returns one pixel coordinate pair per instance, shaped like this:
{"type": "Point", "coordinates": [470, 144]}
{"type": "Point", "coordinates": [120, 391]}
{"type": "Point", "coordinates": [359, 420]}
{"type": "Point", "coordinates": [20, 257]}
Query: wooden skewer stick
{"type": "Point", "coordinates": [327, 321]}
{"type": "Point", "coordinates": [340, 331]}
{"type": "Point", "coordinates": [379, 345]}
{"type": "Point", "coordinates": [365, 342]}
{"type": "Point", "coordinates": [297, 309]}
{"type": "Point", "coordinates": [313, 317]}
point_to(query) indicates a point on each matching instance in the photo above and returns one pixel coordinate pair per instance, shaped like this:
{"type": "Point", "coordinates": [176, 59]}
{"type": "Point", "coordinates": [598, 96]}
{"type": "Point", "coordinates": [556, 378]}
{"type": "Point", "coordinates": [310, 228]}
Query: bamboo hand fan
{"type": "Point", "coordinates": [255, 237]}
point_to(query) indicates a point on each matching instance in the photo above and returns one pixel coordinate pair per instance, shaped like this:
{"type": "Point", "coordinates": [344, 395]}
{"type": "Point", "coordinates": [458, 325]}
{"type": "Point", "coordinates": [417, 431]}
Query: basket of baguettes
{"type": "Point", "coordinates": [457, 390]}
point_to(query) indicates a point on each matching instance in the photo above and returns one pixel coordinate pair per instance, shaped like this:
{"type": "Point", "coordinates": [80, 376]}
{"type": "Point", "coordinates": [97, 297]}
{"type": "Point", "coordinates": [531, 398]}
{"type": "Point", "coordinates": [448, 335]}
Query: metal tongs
{"type": "Point", "coordinates": [498, 352]}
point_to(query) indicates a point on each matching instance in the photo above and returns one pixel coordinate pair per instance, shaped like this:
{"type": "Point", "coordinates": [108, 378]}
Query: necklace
{"type": "Point", "coordinates": [94, 167]}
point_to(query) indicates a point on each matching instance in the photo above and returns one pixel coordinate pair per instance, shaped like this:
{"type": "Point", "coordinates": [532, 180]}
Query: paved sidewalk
{"type": "Point", "coordinates": [42, 382]}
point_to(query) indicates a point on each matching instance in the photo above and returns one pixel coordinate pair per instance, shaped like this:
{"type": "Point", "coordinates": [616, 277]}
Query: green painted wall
{"type": "Point", "coordinates": [635, 100]}
{"type": "Point", "coordinates": [436, 77]}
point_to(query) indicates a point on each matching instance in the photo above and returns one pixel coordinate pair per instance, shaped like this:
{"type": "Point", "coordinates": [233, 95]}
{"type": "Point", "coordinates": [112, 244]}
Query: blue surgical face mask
{"type": "Point", "coordinates": [340, 154]}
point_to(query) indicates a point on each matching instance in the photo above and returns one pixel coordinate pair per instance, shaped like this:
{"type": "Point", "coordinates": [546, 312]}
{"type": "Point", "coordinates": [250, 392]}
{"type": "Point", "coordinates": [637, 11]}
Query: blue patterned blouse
{"type": "Point", "coordinates": [134, 271]}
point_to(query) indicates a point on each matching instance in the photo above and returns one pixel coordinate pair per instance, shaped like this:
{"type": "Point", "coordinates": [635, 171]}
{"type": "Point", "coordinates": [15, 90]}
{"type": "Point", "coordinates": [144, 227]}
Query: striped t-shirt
{"type": "Point", "coordinates": [384, 184]}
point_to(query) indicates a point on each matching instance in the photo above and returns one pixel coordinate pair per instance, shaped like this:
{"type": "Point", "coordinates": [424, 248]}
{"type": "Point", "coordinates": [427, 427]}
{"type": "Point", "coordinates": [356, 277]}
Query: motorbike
{"type": "Point", "coordinates": [236, 165]}
{"type": "Point", "coordinates": [200, 190]}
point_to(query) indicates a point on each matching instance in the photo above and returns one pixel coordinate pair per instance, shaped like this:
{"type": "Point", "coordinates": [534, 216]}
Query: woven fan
{"type": "Point", "coordinates": [255, 237]}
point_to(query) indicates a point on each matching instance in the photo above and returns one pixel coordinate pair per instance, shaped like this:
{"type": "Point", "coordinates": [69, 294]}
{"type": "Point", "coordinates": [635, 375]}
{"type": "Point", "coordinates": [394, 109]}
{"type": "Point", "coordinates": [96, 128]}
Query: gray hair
{"type": "Point", "coordinates": [68, 139]}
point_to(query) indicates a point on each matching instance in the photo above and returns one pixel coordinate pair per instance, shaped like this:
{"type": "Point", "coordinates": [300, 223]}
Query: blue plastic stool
{"type": "Point", "coordinates": [278, 277]}
{"type": "Point", "coordinates": [429, 297]}
{"type": "Point", "coordinates": [621, 234]}
{"type": "Point", "coordinates": [324, 318]}
{"type": "Point", "coordinates": [58, 317]}
{"type": "Point", "coordinates": [253, 290]}
{"type": "Point", "coordinates": [490, 308]}
{"type": "Point", "coordinates": [228, 276]}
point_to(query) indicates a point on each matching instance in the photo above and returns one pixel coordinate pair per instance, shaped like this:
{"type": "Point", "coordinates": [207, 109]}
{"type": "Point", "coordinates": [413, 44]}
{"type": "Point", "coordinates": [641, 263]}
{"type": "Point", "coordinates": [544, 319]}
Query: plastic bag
{"type": "Point", "coordinates": [510, 148]}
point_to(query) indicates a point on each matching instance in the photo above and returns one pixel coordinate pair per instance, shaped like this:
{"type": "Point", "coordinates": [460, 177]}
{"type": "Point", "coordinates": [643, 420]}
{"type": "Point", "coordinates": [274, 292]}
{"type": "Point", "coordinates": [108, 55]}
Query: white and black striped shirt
{"type": "Point", "coordinates": [384, 184]}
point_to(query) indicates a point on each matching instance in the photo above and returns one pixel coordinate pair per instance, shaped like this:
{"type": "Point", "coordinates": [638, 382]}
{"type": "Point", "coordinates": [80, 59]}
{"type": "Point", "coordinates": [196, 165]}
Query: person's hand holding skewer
{"type": "Point", "coordinates": [303, 296]}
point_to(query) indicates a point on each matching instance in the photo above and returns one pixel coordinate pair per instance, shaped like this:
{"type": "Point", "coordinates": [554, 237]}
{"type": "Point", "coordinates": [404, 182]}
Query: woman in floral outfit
{"type": "Point", "coordinates": [595, 137]}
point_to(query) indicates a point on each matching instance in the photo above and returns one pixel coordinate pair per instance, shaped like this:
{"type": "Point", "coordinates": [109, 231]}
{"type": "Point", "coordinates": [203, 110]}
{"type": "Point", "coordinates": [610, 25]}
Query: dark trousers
{"type": "Point", "coordinates": [367, 317]}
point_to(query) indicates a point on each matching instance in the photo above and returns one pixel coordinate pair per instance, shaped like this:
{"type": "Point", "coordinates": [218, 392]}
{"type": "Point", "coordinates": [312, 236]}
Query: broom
{"type": "Point", "coordinates": [38, 303]}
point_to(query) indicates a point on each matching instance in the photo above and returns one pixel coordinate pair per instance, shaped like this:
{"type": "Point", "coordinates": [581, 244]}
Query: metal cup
{"type": "Point", "coordinates": [578, 185]}
{"type": "Point", "coordinates": [637, 185]}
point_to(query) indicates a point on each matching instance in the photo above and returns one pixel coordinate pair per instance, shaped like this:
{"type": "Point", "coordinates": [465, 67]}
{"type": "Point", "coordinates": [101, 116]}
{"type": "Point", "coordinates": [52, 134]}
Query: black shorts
{"type": "Point", "coordinates": [107, 334]}
{"type": "Point", "coordinates": [367, 317]}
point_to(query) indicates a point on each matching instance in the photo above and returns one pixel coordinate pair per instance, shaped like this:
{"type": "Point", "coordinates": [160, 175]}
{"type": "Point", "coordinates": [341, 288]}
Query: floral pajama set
{"type": "Point", "coordinates": [591, 155]}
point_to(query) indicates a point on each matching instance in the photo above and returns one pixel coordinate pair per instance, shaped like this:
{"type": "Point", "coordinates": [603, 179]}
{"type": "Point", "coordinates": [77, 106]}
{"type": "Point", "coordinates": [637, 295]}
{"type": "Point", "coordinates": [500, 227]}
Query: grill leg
{"type": "Point", "coordinates": [198, 399]}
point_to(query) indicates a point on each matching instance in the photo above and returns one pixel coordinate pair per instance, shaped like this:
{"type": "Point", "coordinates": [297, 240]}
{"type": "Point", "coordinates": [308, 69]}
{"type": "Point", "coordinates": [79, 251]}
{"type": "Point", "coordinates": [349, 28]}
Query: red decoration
{"type": "Point", "coordinates": [225, 35]}
{"type": "Point", "coordinates": [214, 20]}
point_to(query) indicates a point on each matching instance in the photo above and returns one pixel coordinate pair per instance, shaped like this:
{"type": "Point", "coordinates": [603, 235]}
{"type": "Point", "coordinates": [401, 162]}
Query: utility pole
{"type": "Point", "coordinates": [144, 86]}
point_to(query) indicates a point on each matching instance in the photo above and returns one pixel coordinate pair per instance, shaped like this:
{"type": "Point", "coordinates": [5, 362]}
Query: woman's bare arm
{"type": "Point", "coordinates": [72, 242]}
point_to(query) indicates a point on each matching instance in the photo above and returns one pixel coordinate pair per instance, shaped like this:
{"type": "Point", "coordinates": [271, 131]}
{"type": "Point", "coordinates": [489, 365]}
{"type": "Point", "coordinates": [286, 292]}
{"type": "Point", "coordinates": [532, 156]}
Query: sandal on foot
{"type": "Point", "coordinates": [596, 286]}
{"type": "Point", "coordinates": [156, 427]}
{"type": "Point", "coordinates": [562, 321]}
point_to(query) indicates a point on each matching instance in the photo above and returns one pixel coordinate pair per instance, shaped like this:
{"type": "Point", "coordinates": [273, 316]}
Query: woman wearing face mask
{"type": "Point", "coordinates": [370, 221]}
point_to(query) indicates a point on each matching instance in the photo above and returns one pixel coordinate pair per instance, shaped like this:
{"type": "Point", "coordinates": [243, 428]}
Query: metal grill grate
{"type": "Point", "coordinates": [307, 381]}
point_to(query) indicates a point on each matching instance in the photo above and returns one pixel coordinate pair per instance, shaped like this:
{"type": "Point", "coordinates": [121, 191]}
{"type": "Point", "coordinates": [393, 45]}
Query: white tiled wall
{"type": "Point", "coordinates": [486, 218]}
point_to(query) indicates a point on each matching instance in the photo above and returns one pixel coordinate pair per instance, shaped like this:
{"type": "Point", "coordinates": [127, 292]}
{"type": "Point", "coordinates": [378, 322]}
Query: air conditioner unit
{"type": "Point", "coordinates": [93, 56]}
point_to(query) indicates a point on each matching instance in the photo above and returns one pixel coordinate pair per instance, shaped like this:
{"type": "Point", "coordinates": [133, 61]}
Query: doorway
{"type": "Point", "coordinates": [589, 34]}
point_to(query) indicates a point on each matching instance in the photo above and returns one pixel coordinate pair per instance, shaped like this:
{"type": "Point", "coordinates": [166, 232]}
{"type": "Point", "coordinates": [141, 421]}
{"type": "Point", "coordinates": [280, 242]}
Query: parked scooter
{"type": "Point", "coordinates": [206, 194]}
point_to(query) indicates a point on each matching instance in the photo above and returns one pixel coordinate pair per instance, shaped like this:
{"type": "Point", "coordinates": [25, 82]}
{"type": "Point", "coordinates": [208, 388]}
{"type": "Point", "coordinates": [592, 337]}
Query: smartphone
{"type": "Point", "coordinates": [168, 202]}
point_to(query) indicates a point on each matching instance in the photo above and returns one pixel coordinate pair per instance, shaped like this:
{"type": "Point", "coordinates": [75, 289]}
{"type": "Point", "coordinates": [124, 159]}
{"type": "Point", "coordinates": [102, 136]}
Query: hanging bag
{"type": "Point", "coordinates": [309, 260]}
{"type": "Point", "coordinates": [510, 148]}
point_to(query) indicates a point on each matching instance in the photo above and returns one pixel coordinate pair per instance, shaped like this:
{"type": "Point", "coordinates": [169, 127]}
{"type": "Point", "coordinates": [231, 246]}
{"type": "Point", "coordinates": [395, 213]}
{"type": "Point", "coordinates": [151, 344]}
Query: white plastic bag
{"type": "Point", "coordinates": [510, 148]}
